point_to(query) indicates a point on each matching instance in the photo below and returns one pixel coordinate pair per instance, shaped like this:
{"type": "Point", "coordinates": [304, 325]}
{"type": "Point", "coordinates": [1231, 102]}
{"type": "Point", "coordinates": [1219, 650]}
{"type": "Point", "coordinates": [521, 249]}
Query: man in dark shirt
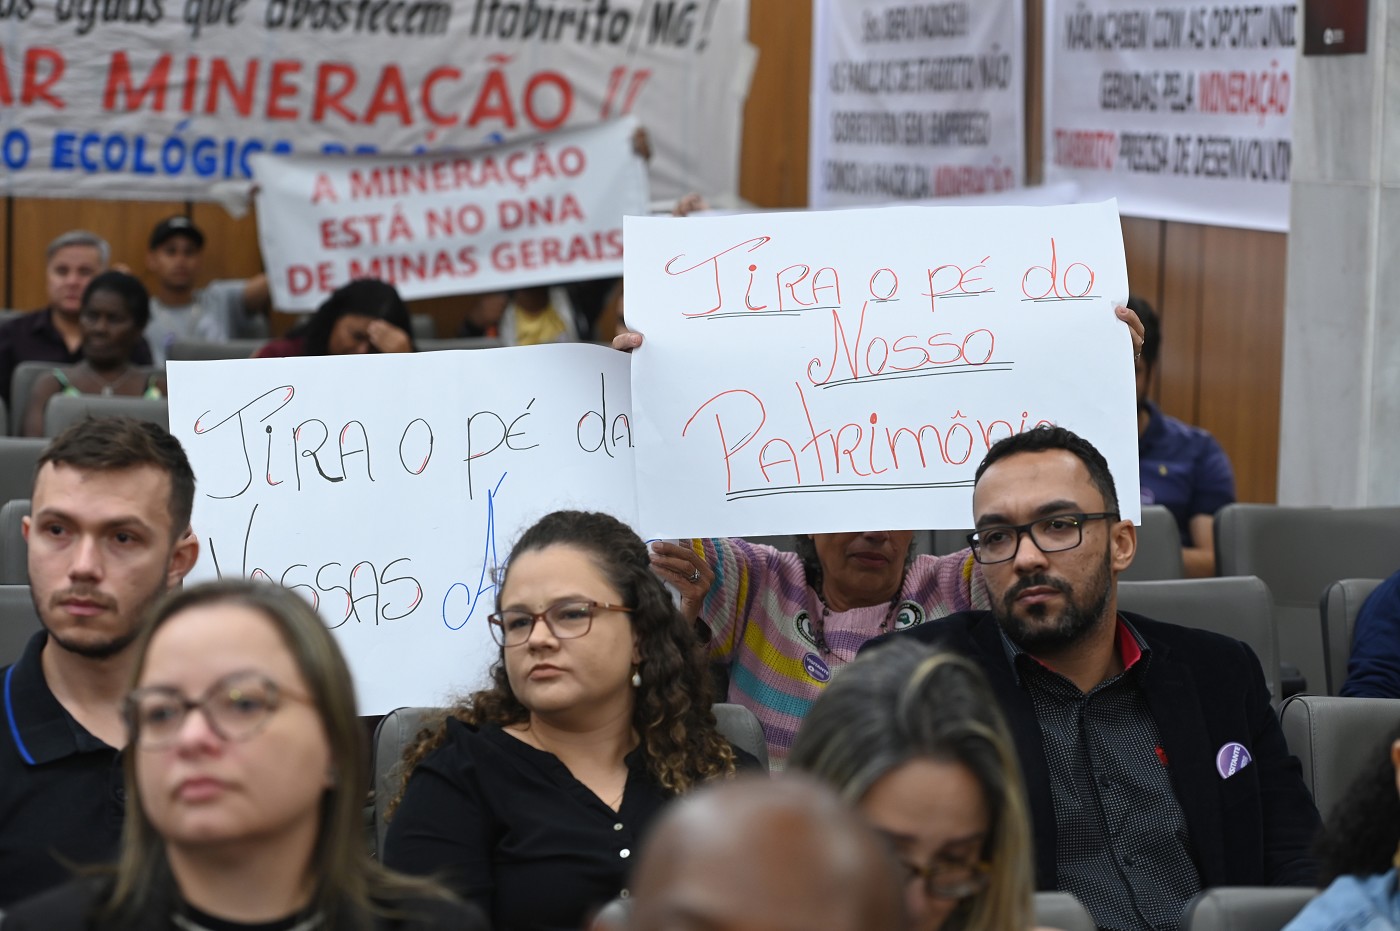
{"type": "Point", "coordinates": [52, 333]}
{"type": "Point", "coordinates": [109, 533]}
{"type": "Point", "coordinates": [1153, 760]}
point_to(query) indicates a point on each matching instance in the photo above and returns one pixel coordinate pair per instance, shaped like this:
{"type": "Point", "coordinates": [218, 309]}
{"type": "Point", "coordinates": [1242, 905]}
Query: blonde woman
{"type": "Point", "coordinates": [246, 776]}
{"type": "Point", "coordinates": [912, 738]}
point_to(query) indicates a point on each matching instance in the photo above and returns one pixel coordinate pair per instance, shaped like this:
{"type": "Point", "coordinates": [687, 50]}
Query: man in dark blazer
{"type": "Point", "coordinates": [1153, 760]}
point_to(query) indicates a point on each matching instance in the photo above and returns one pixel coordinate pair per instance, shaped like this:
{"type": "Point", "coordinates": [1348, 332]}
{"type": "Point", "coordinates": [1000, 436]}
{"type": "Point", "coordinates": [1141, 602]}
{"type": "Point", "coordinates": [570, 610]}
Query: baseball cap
{"type": "Point", "coordinates": [176, 226]}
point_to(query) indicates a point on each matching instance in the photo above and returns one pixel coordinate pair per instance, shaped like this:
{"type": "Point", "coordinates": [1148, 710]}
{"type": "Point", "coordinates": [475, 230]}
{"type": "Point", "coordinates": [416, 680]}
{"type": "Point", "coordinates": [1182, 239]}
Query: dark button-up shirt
{"type": "Point", "coordinates": [61, 790]}
{"type": "Point", "coordinates": [1121, 846]}
{"type": "Point", "coordinates": [34, 338]}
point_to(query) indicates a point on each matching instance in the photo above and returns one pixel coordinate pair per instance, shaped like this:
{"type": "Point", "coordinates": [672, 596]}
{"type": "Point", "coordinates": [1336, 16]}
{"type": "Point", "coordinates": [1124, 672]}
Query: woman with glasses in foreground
{"type": "Point", "coordinates": [531, 796]}
{"type": "Point", "coordinates": [913, 739]}
{"type": "Point", "coordinates": [246, 776]}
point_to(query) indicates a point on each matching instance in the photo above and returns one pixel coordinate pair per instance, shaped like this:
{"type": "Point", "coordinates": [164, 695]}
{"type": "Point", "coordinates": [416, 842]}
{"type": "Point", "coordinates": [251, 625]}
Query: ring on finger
{"type": "Point", "coordinates": [695, 576]}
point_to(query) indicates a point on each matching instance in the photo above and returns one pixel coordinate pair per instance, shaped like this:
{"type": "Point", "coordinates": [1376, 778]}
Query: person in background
{"type": "Point", "coordinates": [765, 855]}
{"type": "Point", "coordinates": [1373, 668]}
{"type": "Point", "coordinates": [217, 312]}
{"type": "Point", "coordinates": [245, 785]}
{"type": "Point", "coordinates": [783, 624]}
{"type": "Point", "coordinates": [533, 316]}
{"type": "Point", "coordinates": [109, 532]}
{"type": "Point", "coordinates": [1360, 852]}
{"type": "Point", "coordinates": [113, 315]}
{"type": "Point", "coordinates": [1153, 760]}
{"type": "Point", "coordinates": [52, 333]}
{"type": "Point", "coordinates": [366, 315]}
{"type": "Point", "coordinates": [532, 796]}
{"type": "Point", "coordinates": [913, 740]}
{"type": "Point", "coordinates": [1182, 467]}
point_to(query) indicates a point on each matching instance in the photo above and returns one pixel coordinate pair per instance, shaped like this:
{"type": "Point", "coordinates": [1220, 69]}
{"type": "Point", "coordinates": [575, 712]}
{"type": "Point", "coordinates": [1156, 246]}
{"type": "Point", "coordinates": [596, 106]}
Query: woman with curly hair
{"type": "Point", "coordinates": [1360, 852]}
{"type": "Point", "coordinates": [914, 740]}
{"type": "Point", "coordinates": [531, 796]}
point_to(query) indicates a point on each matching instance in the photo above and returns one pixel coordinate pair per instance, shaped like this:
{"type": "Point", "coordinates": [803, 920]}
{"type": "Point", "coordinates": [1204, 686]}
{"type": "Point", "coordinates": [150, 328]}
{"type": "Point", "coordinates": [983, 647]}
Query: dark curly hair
{"type": "Point", "coordinates": [1363, 830]}
{"type": "Point", "coordinates": [672, 712]}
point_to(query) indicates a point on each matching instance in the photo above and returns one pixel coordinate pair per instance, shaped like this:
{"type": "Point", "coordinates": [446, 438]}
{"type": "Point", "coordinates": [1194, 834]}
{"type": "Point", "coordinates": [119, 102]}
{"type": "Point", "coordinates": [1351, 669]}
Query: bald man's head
{"type": "Point", "coordinates": [756, 854]}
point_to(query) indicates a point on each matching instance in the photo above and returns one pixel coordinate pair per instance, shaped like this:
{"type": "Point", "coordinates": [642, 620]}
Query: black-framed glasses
{"type": "Point", "coordinates": [565, 620]}
{"type": "Point", "coordinates": [236, 706]}
{"type": "Point", "coordinates": [1052, 534]}
{"type": "Point", "coordinates": [949, 879]}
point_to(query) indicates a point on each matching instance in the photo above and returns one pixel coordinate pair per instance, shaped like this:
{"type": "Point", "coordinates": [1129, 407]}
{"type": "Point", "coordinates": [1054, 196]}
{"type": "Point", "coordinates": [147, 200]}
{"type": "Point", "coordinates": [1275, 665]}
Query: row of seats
{"type": "Point", "coordinates": [26, 374]}
{"type": "Point", "coordinates": [1290, 610]}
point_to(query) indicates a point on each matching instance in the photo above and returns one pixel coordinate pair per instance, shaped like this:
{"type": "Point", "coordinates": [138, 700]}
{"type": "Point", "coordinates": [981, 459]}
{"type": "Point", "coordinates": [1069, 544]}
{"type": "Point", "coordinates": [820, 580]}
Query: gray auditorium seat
{"type": "Point", "coordinates": [1333, 737]}
{"type": "Point", "coordinates": [1245, 908]}
{"type": "Point", "coordinates": [1341, 602]}
{"type": "Point", "coordinates": [14, 552]}
{"type": "Point", "coordinates": [65, 410]}
{"type": "Point", "coordinates": [1158, 547]}
{"type": "Point", "coordinates": [17, 457]}
{"type": "Point", "coordinates": [193, 350]}
{"type": "Point", "coordinates": [1063, 911]}
{"type": "Point", "coordinates": [465, 342]}
{"type": "Point", "coordinates": [424, 327]}
{"type": "Point", "coordinates": [1298, 552]}
{"type": "Point", "coordinates": [1237, 607]}
{"type": "Point", "coordinates": [18, 621]}
{"type": "Point", "coordinates": [21, 386]}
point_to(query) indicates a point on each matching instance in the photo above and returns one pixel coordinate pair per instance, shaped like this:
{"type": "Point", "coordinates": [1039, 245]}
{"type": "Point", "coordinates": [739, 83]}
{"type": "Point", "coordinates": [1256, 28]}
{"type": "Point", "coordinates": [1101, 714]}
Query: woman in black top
{"type": "Point", "coordinates": [531, 797]}
{"type": "Point", "coordinates": [247, 814]}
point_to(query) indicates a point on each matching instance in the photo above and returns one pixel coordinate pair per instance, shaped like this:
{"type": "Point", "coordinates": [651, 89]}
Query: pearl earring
{"type": "Point", "coordinates": [636, 678]}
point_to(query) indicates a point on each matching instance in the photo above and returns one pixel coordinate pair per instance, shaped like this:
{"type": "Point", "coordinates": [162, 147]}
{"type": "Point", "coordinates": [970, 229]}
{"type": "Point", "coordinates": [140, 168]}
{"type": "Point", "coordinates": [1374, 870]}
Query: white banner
{"type": "Point", "coordinates": [539, 212]}
{"type": "Point", "coordinates": [163, 99]}
{"type": "Point", "coordinates": [386, 488]}
{"type": "Point", "coordinates": [915, 101]}
{"type": "Point", "coordinates": [1182, 111]}
{"type": "Point", "coordinates": [847, 370]}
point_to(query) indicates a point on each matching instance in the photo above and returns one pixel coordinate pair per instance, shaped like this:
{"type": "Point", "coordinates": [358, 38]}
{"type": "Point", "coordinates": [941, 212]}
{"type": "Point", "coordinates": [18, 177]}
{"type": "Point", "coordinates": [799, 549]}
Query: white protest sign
{"type": "Point", "coordinates": [386, 488]}
{"type": "Point", "coordinates": [915, 101]}
{"type": "Point", "coordinates": [167, 99]}
{"type": "Point", "coordinates": [538, 212]}
{"type": "Point", "coordinates": [847, 370]}
{"type": "Point", "coordinates": [1182, 111]}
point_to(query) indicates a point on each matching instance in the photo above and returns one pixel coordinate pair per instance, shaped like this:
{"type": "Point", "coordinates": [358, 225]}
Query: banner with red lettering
{"type": "Point", "coordinates": [842, 370]}
{"type": "Point", "coordinates": [544, 211]}
{"type": "Point", "coordinates": [911, 101]}
{"type": "Point", "coordinates": [1182, 111]}
{"type": "Point", "coordinates": [167, 99]}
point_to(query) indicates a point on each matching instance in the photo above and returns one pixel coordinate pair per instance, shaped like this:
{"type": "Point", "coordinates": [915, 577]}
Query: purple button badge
{"type": "Point", "coordinates": [1231, 758]}
{"type": "Point", "coordinates": [815, 667]}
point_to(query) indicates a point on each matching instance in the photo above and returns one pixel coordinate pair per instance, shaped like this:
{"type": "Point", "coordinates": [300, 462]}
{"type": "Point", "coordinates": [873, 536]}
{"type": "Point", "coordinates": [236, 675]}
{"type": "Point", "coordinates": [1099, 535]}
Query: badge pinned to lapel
{"type": "Point", "coordinates": [1231, 758]}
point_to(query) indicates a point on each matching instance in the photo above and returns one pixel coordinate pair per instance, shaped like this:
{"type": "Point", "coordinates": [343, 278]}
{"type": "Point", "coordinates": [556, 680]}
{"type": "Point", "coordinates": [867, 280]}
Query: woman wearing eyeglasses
{"type": "Point", "coordinates": [246, 776]}
{"type": "Point", "coordinates": [913, 739]}
{"type": "Point", "coordinates": [531, 797]}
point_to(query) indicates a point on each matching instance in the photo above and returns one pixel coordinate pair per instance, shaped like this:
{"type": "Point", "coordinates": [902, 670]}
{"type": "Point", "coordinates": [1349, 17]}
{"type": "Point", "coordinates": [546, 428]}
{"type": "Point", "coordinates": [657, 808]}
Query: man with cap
{"type": "Point", "coordinates": [217, 312]}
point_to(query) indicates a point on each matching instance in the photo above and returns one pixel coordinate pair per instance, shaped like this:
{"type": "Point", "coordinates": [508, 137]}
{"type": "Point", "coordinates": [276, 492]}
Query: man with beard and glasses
{"type": "Point", "coordinates": [1153, 761]}
{"type": "Point", "coordinates": [109, 532]}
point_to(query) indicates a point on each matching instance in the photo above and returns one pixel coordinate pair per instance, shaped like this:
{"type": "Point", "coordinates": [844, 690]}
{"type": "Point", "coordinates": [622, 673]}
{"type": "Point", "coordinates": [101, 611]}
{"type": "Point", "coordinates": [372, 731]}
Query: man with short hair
{"type": "Point", "coordinates": [1153, 760]}
{"type": "Point", "coordinates": [762, 854]}
{"type": "Point", "coordinates": [52, 333]}
{"type": "Point", "coordinates": [217, 312]}
{"type": "Point", "coordinates": [109, 532]}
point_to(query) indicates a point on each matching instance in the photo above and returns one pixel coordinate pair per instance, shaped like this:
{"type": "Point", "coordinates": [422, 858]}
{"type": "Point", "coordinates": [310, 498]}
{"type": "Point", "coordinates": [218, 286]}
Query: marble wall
{"type": "Point", "coordinates": [1340, 418]}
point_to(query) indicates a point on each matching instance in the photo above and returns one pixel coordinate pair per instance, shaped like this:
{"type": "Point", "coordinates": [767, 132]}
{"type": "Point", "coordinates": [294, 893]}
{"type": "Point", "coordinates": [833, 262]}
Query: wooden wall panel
{"type": "Point", "coordinates": [126, 224]}
{"type": "Point", "coordinates": [1241, 351]}
{"type": "Point", "coordinates": [1180, 310]}
{"type": "Point", "coordinates": [773, 157]}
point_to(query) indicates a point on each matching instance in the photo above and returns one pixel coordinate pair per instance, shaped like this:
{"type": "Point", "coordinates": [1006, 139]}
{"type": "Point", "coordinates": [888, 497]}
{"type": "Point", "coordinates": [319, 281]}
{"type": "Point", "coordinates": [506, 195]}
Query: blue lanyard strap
{"type": "Point", "coordinates": [10, 715]}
